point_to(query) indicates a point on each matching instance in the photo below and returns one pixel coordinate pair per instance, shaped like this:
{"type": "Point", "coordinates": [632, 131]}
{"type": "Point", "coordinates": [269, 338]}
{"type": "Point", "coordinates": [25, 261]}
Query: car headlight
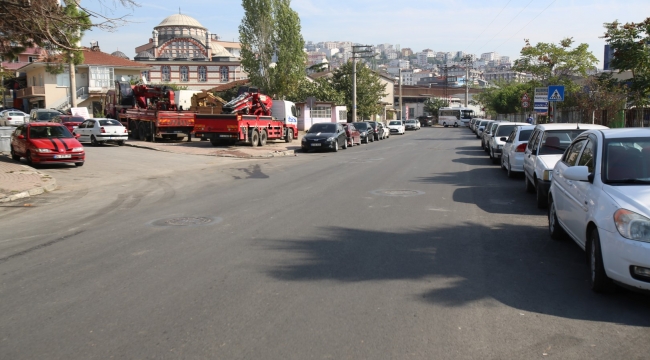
{"type": "Point", "coordinates": [364, 133]}
{"type": "Point", "coordinates": [547, 175]}
{"type": "Point", "coordinates": [632, 225]}
{"type": "Point", "coordinates": [78, 149]}
{"type": "Point", "coordinates": [43, 150]}
{"type": "Point", "coordinates": [330, 139]}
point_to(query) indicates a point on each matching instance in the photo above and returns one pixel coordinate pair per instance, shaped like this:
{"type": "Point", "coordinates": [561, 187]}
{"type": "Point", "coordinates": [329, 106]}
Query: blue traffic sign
{"type": "Point", "coordinates": [556, 93]}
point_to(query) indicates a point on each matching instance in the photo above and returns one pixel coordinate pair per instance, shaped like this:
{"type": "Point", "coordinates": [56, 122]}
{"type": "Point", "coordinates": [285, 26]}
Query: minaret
{"type": "Point", "coordinates": [155, 43]}
{"type": "Point", "coordinates": [207, 44]}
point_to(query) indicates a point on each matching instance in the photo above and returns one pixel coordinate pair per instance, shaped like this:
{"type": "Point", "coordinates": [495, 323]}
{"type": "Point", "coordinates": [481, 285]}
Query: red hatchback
{"type": "Point", "coordinates": [70, 121]}
{"type": "Point", "coordinates": [46, 142]}
{"type": "Point", "coordinates": [354, 136]}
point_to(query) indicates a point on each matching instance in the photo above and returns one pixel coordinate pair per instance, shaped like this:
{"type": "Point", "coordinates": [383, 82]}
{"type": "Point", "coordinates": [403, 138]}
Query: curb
{"type": "Point", "coordinates": [49, 185]}
{"type": "Point", "coordinates": [268, 155]}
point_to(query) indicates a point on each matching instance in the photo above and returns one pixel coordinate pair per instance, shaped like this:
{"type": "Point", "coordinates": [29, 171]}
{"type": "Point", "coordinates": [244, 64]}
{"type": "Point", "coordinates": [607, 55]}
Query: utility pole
{"type": "Point", "coordinates": [358, 52]}
{"type": "Point", "coordinates": [400, 95]}
{"type": "Point", "coordinates": [445, 70]}
{"type": "Point", "coordinates": [467, 60]}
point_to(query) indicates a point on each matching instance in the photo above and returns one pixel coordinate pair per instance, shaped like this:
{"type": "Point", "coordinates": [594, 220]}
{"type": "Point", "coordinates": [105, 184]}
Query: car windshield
{"type": "Point", "coordinates": [395, 123]}
{"type": "Point", "coordinates": [482, 123]}
{"type": "Point", "coordinates": [504, 130]}
{"type": "Point", "coordinates": [467, 114]}
{"type": "Point", "coordinates": [46, 115]}
{"type": "Point", "coordinates": [410, 121]}
{"type": "Point", "coordinates": [556, 141]}
{"type": "Point", "coordinates": [74, 119]}
{"type": "Point", "coordinates": [322, 128]}
{"type": "Point", "coordinates": [109, 122]}
{"type": "Point", "coordinates": [48, 132]}
{"type": "Point", "coordinates": [524, 135]}
{"type": "Point", "coordinates": [361, 126]}
{"type": "Point", "coordinates": [627, 161]}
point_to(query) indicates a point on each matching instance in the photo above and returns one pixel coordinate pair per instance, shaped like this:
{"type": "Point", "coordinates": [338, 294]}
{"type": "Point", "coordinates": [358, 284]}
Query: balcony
{"type": "Point", "coordinates": [30, 92]}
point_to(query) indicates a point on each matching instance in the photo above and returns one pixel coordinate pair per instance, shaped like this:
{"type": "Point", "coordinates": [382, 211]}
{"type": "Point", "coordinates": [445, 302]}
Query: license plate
{"type": "Point", "coordinates": [227, 136]}
{"type": "Point", "coordinates": [62, 156]}
{"type": "Point", "coordinates": [315, 144]}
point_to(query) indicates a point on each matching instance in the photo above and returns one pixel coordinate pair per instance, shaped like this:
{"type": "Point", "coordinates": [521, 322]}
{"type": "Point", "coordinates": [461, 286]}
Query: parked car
{"type": "Point", "coordinates": [471, 124]}
{"type": "Point", "coordinates": [512, 157]}
{"type": "Point", "coordinates": [45, 142]}
{"type": "Point", "coordinates": [498, 139]}
{"type": "Point", "coordinates": [100, 130]}
{"type": "Point", "coordinates": [412, 124]}
{"type": "Point", "coordinates": [545, 148]}
{"type": "Point", "coordinates": [481, 127]}
{"type": "Point", "coordinates": [12, 118]}
{"type": "Point", "coordinates": [426, 120]}
{"type": "Point", "coordinates": [353, 135]}
{"type": "Point", "coordinates": [378, 130]}
{"type": "Point", "coordinates": [43, 115]}
{"type": "Point", "coordinates": [386, 130]}
{"type": "Point", "coordinates": [325, 136]}
{"type": "Point", "coordinates": [69, 121]}
{"type": "Point", "coordinates": [599, 197]}
{"type": "Point", "coordinates": [396, 127]}
{"type": "Point", "coordinates": [367, 131]}
{"type": "Point", "coordinates": [485, 135]}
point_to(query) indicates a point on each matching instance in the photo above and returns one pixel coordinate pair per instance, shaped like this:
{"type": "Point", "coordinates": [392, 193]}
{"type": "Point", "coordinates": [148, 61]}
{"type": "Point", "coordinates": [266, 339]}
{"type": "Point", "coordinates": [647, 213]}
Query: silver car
{"type": "Point", "coordinates": [512, 156]}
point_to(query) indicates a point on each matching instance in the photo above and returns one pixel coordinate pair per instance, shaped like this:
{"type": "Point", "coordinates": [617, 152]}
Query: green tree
{"type": "Point", "coordinates": [505, 98]}
{"type": "Point", "coordinates": [602, 100]}
{"type": "Point", "coordinates": [322, 89]}
{"type": "Point", "coordinates": [370, 90]}
{"type": "Point", "coordinates": [72, 32]}
{"type": "Point", "coordinates": [631, 45]}
{"type": "Point", "coordinates": [432, 105]}
{"type": "Point", "coordinates": [270, 34]}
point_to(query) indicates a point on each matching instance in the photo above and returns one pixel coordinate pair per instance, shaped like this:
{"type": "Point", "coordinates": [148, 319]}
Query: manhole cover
{"type": "Point", "coordinates": [398, 192]}
{"type": "Point", "coordinates": [186, 221]}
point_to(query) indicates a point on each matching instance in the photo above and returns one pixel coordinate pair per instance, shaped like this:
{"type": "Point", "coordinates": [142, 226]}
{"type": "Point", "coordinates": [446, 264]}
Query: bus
{"type": "Point", "coordinates": [456, 116]}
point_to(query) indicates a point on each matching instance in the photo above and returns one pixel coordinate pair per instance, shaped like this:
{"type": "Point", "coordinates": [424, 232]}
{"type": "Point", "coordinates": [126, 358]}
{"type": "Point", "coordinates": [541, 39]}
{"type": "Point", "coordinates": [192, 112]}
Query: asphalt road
{"type": "Point", "coordinates": [412, 247]}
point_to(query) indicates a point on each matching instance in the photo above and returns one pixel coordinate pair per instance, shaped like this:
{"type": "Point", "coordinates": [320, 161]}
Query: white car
{"type": "Point", "coordinates": [412, 124]}
{"type": "Point", "coordinates": [600, 197]}
{"type": "Point", "coordinates": [12, 118]}
{"type": "Point", "coordinates": [396, 127]}
{"type": "Point", "coordinates": [498, 140]}
{"type": "Point", "coordinates": [512, 157]}
{"type": "Point", "coordinates": [545, 148]}
{"type": "Point", "coordinates": [99, 131]}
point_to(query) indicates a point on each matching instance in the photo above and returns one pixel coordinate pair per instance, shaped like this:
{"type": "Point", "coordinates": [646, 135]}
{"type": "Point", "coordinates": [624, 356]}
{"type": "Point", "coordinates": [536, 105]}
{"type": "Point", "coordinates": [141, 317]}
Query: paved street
{"type": "Point", "coordinates": [415, 247]}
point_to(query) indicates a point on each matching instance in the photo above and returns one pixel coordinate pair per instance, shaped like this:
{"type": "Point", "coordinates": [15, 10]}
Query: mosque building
{"type": "Point", "coordinates": [184, 52]}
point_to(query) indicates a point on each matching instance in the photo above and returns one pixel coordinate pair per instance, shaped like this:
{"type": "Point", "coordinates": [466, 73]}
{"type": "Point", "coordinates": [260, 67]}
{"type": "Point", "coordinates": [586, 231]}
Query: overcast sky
{"type": "Point", "coordinates": [474, 26]}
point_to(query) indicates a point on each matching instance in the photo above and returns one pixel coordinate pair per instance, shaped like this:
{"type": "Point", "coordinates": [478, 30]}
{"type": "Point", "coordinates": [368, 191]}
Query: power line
{"type": "Point", "coordinates": [515, 34]}
{"type": "Point", "coordinates": [487, 27]}
{"type": "Point", "coordinates": [495, 35]}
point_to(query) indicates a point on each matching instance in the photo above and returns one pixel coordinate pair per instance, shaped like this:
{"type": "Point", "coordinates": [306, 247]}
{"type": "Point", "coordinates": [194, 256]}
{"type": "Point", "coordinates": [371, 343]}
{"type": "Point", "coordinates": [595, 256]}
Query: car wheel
{"type": "Point", "coordinates": [495, 159]}
{"type": "Point", "coordinates": [93, 141]}
{"type": "Point", "coordinates": [529, 186]}
{"type": "Point", "coordinates": [263, 138]}
{"type": "Point", "coordinates": [364, 140]}
{"type": "Point", "coordinates": [78, 164]}
{"type": "Point", "coordinates": [542, 199]}
{"type": "Point", "coordinates": [598, 280]}
{"type": "Point", "coordinates": [511, 174]}
{"type": "Point", "coordinates": [503, 167]}
{"type": "Point", "coordinates": [28, 156]}
{"type": "Point", "coordinates": [14, 156]}
{"type": "Point", "coordinates": [120, 143]}
{"type": "Point", "coordinates": [345, 144]}
{"type": "Point", "coordinates": [336, 146]}
{"type": "Point", "coordinates": [554, 228]}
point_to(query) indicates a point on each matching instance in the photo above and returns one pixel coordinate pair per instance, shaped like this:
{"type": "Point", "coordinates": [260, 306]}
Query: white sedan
{"type": "Point", "coordinates": [99, 131]}
{"type": "Point", "coordinates": [396, 127]}
{"type": "Point", "coordinates": [12, 118]}
{"type": "Point", "coordinates": [600, 197]}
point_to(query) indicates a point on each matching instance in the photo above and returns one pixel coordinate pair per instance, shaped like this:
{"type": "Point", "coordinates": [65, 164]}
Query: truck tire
{"type": "Point", "coordinates": [142, 131]}
{"type": "Point", "coordinates": [263, 138]}
{"type": "Point", "coordinates": [254, 138]}
{"type": "Point", "coordinates": [216, 142]}
{"type": "Point", "coordinates": [135, 132]}
{"type": "Point", "coordinates": [289, 137]}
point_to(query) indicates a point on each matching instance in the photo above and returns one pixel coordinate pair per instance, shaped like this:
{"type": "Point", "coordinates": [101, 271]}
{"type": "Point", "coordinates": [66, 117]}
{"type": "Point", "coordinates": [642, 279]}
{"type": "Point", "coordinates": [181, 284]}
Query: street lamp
{"type": "Point", "coordinates": [467, 60]}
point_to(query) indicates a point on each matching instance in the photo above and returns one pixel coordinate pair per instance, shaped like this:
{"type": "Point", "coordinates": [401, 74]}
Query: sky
{"type": "Point", "coordinates": [473, 26]}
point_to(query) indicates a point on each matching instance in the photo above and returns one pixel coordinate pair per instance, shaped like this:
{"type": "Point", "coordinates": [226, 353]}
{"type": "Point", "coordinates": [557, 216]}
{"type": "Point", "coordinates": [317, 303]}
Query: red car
{"type": "Point", "coordinates": [354, 136]}
{"type": "Point", "coordinates": [71, 122]}
{"type": "Point", "coordinates": [46, 142]}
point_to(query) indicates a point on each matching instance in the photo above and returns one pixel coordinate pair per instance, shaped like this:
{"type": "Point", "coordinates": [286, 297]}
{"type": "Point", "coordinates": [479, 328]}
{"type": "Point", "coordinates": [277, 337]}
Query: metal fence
{"type": "Point", "coordinates": [610, 118]}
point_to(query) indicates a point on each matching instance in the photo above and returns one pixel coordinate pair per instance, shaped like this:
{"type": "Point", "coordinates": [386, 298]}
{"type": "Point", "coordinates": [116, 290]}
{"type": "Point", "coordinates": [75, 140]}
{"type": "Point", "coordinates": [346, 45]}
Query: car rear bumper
{"type": "Point", "coordinates": [112, 137]}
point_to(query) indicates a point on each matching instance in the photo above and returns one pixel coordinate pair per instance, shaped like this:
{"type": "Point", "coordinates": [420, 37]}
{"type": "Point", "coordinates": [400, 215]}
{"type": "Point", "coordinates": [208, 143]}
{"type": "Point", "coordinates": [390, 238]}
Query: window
{"type": "Point", "coordinates": [587, 157]}
{"type": "Point", "coordinates": [203, 74]}
{"type": "Point", "coordinates": [343, 114]}
{"type": "Point", "coordinates": [145, 75]}
{"type": "Point", "coordinates": [62, 80]}
{"type": "Point", "coordinates": [185, 72]}
{"type": "Point", "coordinates": [100, 77]}
{"type": "Point", "coordinates": [571, 155]}
{"type": "Point", "coordinates": [224, 73]}
{"type": "Point", "coordinates": [321, 112]}
{"type": "Point", "coordinates": [31, 59]}
{"type": "Point", "coordinates": [166, 73]}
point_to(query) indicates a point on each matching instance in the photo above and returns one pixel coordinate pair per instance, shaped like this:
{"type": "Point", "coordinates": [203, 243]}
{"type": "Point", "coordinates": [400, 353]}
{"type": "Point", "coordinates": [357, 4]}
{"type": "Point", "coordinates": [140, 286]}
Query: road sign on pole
{"type": "Point", "coordinates": [541, 99]}
{"type": "Point", "coordinates": [556, 93]}
{"type": "Point", "coordinates": [525, 104]}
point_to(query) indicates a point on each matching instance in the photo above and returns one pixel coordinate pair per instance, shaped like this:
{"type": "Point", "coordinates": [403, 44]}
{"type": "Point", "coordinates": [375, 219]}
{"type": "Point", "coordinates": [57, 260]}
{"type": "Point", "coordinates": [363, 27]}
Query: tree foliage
{"type": "Point", "coordinates": [603, 97]}
{"type": "Point", "coordinates": [631, 46]}
{"type": "Point", "coordinates": [322, 89]}
{"type": "Point", "coordinates": [270, 34]}
{"type": "Point", "coordinates": [56, 60]}
{"type": "Point", "coordinates": [432, 105]}
{"type": "Point", "coordinates": [505, 98]}
{"type": "Point", "coordinates": [370, 90]}
{"type": "Point", "coordinates": [48, 25]}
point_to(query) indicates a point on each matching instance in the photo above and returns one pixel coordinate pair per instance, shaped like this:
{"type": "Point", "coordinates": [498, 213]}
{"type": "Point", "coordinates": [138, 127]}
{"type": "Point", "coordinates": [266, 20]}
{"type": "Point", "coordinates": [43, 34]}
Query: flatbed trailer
{"type": "Point", "coordinates": [147, 124]}
{"type": "Point", "coordinates": [228, 129]}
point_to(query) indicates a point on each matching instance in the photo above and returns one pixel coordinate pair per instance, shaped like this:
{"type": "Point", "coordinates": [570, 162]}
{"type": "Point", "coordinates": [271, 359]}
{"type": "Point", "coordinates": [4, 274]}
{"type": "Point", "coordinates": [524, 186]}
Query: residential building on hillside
{"type": "Point", "coordinates": [506, 75]}
{"type": "Point", "coordinates": [406, 52]}
{"type": "Point", "coordinates": [490, 56]}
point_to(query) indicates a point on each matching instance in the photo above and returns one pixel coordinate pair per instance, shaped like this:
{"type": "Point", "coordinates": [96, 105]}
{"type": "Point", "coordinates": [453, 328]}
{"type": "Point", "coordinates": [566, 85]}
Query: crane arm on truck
{"type": "Point", "coordinates": [250, 103]}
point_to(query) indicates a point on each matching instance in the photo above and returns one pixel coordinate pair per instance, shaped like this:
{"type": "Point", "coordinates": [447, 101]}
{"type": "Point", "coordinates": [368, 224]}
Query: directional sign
{"type": "Point", "coordinates": [541, 99]}
{"type": "Point", "coordinates": [556, 93]}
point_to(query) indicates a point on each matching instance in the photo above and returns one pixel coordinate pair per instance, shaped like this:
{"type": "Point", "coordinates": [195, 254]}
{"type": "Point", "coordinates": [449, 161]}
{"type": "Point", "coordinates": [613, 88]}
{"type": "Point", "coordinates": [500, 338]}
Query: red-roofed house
{"type": "Point", "coordinates": [94, 78]}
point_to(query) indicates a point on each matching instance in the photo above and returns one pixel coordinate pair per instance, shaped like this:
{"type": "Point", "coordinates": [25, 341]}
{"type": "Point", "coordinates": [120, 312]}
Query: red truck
{"type": "Point", "coordinates": [149, 112]}
{"type": "Point", "coordinates": [251, 117]}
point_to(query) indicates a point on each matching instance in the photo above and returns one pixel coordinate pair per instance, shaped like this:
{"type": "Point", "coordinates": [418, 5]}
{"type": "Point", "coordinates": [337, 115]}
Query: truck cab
{"type": "Point", "coordinates": [285, 111]}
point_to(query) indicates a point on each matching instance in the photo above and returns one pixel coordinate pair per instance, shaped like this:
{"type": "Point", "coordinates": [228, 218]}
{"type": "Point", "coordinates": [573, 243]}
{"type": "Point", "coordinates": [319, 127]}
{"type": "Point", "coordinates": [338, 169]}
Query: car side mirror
{"type": "Point", "coordinates": [503, 138]}
{"type": "Point", "coordinates": [21, 137]}
{"type": "Point", "coordinates": [577, 173]}
{"type": "Point", "coordinates": [77, 136]}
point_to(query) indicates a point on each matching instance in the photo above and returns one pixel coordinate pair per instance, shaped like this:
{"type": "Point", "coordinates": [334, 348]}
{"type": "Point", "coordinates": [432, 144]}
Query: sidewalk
{"type": "Point", "coordinates": [18, 181]}
{"type": "Point", "coordinates": [273, 148]}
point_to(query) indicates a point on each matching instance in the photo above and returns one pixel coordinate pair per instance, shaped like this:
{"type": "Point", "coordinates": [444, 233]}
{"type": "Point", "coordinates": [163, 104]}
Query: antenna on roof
{"type": "Point", "coordinates": [179, 9]}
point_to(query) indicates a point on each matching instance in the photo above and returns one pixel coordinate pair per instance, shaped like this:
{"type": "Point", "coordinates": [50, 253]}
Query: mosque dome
{"type": "Point", "coordinates": [219, 51]}
{"type": "Point", "coordinates": [180, 20]}
{"type": "Point", "coordinates": [120, 54]}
